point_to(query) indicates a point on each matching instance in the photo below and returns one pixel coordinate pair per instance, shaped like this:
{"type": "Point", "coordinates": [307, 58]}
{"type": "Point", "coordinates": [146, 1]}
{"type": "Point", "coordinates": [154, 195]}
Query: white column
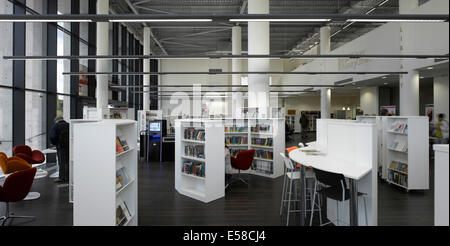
{"type": "Point", "coordinates": [409, 83]}
{"type": "Point", "coordinates": [147, 52]}
{"type": "Point", "coordinates": [258, 44]}
{"type": "Point", "coordinates": [325, 103]}
{"type": "Point", "coordinates": [236, 66]}
{"type": "Point", "coordinates": [409, 94]}
{"type": "Point", "coordinates": [441, 101]}
{"type": "Point", "coordinates": [369, 100]}
{"type": "Point", "coordinates": [325, 93]}
{"type": "Point", "coordinates": [102, 65]}
{"type": "Point", "coordinates": [325, 40]}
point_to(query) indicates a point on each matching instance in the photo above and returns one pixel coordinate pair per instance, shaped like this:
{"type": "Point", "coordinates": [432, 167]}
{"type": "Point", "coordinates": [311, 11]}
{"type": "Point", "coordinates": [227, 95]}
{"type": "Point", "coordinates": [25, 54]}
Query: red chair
{"type": "Point", "coordinates": [243, 161]}
{"type": "Point", "coordinates": [31, 156]}
{"type": "Point", "coordinates": [15, 189]}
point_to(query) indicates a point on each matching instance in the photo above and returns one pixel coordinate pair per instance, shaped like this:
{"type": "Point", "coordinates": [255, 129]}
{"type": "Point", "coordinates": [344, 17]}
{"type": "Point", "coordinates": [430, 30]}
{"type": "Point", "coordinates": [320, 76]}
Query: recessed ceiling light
{"type": "Point", "coordinates": [421, 77]}
{"type": "Point", "coordinates": [429, 68]}
{"type": "Point", "coordinates": [384, 77]}
{"type": "Point", "coordinates": [385, 83]}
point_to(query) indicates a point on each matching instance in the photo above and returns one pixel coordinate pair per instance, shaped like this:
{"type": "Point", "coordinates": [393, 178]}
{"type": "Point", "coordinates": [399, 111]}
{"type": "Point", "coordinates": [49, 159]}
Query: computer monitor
{"type": "Point", "coordinates": [155, 126]}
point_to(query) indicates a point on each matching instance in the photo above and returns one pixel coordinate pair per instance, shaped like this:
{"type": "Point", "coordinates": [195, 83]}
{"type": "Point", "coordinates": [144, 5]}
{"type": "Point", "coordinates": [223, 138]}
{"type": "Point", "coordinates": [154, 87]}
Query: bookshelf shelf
{"type": "Point", "coordinates": [236, 133]}
{"type": "Point", "coordinates": [192, 176]}
{"type": "Point", "coordinates": [395, 170]}
{"type": "Point", "coordinates": [125, 152]}
{"type": "Point", "coordinates": [262, 159]}
{"type": "Point", "coordinates": [396, 150]}
{"type": "Point", "coordinates": [125, 186]}
{"type": "Point", "coordinates": [193, 158]}
{"type": "Point", "coordinates": [237, 145]}
{"type": "Point", "coordinates": [261, 146]}
{"type": "Point", "coordinates": [97, 196]}
{"type": "Point", "coordinates": [193, 141]}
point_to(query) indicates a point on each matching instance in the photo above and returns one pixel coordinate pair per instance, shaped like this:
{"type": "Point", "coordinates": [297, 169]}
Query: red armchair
{"type": "Point", "coordinates": [12, 164]}
{"type": "Point", "coordinates": [16, 188]}
{"type": "Point", "coordinates": [243, 161]}
{"type": "Point", "coordinates": [31, 156]}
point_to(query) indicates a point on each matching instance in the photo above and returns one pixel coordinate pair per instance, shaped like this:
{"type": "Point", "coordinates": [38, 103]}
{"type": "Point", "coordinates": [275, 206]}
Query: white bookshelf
{"type": "Point", "coordinates": [411, 149]}
{"type": "Point", "coordinates": [210, 184]}
{"type": "Point", "coordinates": [271, 168]}
{"type": "Point", "coordinates": [72, 122]}
{"type": "Point", "coordinates": [95, 165]}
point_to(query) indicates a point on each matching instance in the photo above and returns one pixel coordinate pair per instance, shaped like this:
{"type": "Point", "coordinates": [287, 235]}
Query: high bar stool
{"type": "Point", "coordinates": [334, 187]}
{"type": "Point", "coordinates": [291, 176]}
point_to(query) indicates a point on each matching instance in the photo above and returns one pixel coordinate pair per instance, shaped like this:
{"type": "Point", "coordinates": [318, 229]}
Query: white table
{"type": "Point", "coordinates": [333, 165]}
{"type": "Point", "coordinates": [52, 151]}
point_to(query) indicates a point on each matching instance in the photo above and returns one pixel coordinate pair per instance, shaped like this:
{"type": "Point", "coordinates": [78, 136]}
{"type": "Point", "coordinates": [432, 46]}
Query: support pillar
{"type": "Point", "coordinates": [258, 44]}
{"type": "Point", "coordinates": [369, 100]}
{"type": "Point", "coordinates": [102, 65]}
{"type": "Point", "coordinates": [409, 94]}
{"type": "Point", "coordinates": [236, 64]}
{"type": "Point", "coordinates": [147, 52]}
{"type": "Point", "coordinates": [325, 93]}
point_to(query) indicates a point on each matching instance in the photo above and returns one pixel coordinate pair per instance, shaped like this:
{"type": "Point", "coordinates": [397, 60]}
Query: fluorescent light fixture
{"type": "Point", "coordinates": [429, 68]}
{"type": "Point", "coordinates": [393, 20]}
{"type": "Point", "coordinates": [421, 77]}
{"type": "Point", "coordinates": [381, 4]}
{"type": "Point", "coordinates": [160, 20]}
{"type": "Point", "coordinates": [385, 83]}
{"type": "Point", "coordinates": [384, 77]}
{"type": "Point", "coordinates": [46, 20]}
{"type": "Point", "coordinates": [280, 20]}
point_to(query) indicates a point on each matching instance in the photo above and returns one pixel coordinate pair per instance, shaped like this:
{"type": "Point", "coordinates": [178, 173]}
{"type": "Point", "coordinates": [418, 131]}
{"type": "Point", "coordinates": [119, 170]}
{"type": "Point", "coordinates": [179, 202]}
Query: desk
{"type": "Point", "coordinates": [325, 163]}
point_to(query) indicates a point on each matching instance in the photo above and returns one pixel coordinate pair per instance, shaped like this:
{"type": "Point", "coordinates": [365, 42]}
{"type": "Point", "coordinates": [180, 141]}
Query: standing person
{"type": "Point", "coordinates": [441, 129]}
{"type": "Point", "coordinates": [304, 125]}
{"type": "Point", "coordinates": [59, 136]}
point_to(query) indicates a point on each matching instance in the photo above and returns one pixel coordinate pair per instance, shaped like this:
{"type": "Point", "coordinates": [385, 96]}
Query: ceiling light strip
{"type": "Point", "coordinates": [229, 73]}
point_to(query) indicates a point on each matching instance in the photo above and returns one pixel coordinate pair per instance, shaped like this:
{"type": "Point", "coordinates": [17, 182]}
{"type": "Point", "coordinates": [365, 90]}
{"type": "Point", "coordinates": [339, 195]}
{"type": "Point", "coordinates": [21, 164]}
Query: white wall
{"type": "Point", "coordinates": [441, 100]}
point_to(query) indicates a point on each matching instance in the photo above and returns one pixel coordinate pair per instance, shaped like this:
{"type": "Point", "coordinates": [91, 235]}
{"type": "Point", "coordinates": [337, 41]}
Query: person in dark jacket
{"type": "Point", "coordinates": [59, 136]}
{"type": "Point", "coordinates": [304, 124]}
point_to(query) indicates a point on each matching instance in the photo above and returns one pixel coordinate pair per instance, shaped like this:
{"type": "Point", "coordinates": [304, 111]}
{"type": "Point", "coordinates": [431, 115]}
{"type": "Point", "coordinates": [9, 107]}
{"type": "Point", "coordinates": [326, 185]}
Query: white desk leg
{"type": "Point", "coordinates": [353, 202]}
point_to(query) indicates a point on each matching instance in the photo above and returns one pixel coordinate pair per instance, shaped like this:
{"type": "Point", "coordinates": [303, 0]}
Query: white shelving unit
{"type": "Point", "coordinates": [210, 184]}
{"type": "Point", "coordinates": [271, 168]}
{"type": "Point", "coordinates": [95, 165]}
{"type": "Point", "coordinates": [380, 122]}
{"type": "Point", "coordinates": [72, 122]}
{"type": "Point", "coordinates": [409, 147]}
{"type": "Point", "coordinates": [441, 188]}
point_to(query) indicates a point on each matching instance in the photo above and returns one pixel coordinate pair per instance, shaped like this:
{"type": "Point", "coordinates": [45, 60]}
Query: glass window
{"type": "Point", "coordinates": [35, 120]}
{"type": "Point", "coordinates": [6, 121]}
{"type": "Point", "coordinates": [6, 46]}
{"type": "Point", "coordinates": [63, 106]}
{"type": "Point", "coordinates": [36, 45]}
{"type": "Point", "coordinates": [84, 50]}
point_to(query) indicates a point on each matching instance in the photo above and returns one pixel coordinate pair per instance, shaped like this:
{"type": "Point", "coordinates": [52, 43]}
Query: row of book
{"type": "Point", "coordinates": [122, 178]}
{"type": "Point", "coordinates": [235, 128]}
{"type": "Point", "coordinates": [262, 141]}
{"type": "Point", "coordinates": [400, 128]}
{"type": "Point", "coordinates": [399, 166]}
{"type": "Point", "coordinates": [399, 146]}
{"type": "Point", "coordinates": [123, 214]}
{"type": "Point", "coordinates": [262, 167]}
{"type": "Point", "coordinates": [193, 134]}
{"type": "Point", "coordinates": [398, 178]}
{"type": "Point", "coordinates": [195, 151]}
{"type": "Point", "coordinates": [264, 154]}
{"type": "Point", "coordinates": [236, 140]}
{"type": "Point", "coordinates": [194, 168]}
{"type": "Point", "coordinates": [261, 128]}
{"type": "Point", "coordinates": [121, 145]}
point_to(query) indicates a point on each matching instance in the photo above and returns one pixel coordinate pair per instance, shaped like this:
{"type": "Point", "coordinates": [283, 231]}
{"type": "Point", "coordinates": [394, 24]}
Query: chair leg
{"type": "Point", "coordinates": [320, 208]}
{"type": "Point", "coordinates": [312, 205]}
{"type": "Point", "coordinates": [9, 215]}
{"type": "Point", "coordinates": [365, 210]}
{"type": "Point", "coordinates": [337, 212]}
{"type": "Point", "coordinates": [289, 202]}
{"type": "Point", "coordinates": [283, 193]}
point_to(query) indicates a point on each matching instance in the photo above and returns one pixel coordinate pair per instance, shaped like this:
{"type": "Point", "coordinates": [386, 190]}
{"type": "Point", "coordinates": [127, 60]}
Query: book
{"type": "Point", "coordinates": [123, 214]}
{"type": "Point", "coordinates": [121, 178]}
{"type": "Point", "coordinates": [125, 145]}
{"type": "Point", "coordinates": [119, 147]}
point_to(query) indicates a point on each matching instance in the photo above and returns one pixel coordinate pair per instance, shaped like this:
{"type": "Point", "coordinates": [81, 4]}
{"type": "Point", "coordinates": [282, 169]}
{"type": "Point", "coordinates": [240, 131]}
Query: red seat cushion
{"type": "Point", "coordinates": [243, 159]}
{"type": "Point", "coordinates": [17, 185]}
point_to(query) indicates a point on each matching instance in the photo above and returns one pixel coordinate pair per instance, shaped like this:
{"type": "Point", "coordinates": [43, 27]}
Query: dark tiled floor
{"type": "Point", "coordinates": [258, 204]}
